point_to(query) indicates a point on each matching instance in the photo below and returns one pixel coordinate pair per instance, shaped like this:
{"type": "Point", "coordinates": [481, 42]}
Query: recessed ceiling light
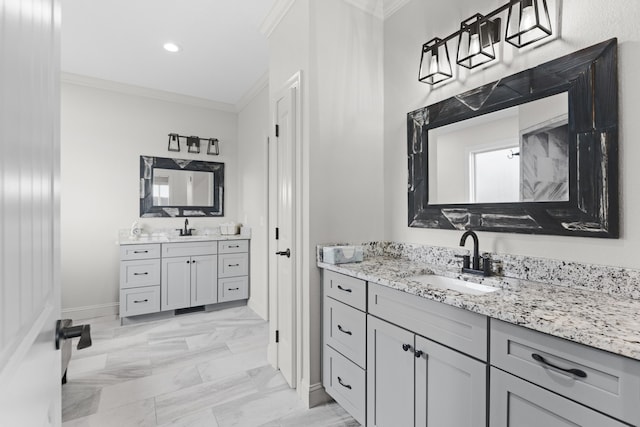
{"type": "Point", "coordinates": [171, 47]}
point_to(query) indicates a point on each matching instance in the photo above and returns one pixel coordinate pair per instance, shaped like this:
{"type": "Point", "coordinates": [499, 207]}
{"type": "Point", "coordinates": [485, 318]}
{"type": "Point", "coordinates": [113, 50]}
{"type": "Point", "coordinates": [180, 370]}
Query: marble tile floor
{"type": "Point", "coordinates": [196, 370]}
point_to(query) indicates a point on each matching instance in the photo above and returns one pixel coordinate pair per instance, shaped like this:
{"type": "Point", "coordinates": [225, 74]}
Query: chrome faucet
{"type": "Point", "coordinates": [473, 265]}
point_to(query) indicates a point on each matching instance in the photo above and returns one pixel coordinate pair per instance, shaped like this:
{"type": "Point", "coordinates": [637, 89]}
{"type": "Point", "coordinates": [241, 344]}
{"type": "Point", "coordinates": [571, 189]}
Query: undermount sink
{"type": "Point", "coordinates": [461, 286]}
{"type": "Point", "coordinates": [194, 237]}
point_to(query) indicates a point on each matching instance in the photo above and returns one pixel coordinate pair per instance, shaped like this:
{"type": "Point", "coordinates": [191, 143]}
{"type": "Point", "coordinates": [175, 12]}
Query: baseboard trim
{"type": "Point", "coordinates": [313, 395]}
{"type": "Point", "coordinates": [87, 312]}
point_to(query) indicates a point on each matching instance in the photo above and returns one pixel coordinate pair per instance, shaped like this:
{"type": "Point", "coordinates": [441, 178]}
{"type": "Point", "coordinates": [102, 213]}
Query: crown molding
{"type": "Point", "coordinates": [257, 87]}
{"type": "Point", "coordinates": [392, 6]}
{"type": "Point", "coordinates": [275, 15]}
{"type": "Point", "coordinates": [96, 83]}
{"type": "Point", "coordinates": [372, 7]}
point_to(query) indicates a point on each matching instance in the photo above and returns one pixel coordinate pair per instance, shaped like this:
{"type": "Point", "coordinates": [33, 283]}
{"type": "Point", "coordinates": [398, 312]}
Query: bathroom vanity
{"type": "Point", "coordinates": [398, 352]}
{"type": "Point", "coordinates": [179, 273]}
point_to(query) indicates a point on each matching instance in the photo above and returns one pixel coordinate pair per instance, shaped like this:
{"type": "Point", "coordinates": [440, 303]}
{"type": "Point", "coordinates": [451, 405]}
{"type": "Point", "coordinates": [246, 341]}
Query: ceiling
{"type": "Point", "coordinates": [223, 54]}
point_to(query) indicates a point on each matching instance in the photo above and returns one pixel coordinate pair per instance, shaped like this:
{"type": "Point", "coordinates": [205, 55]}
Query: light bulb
{"type": "Point", "coordinates": [527, 19]}
{"type": "Point", "coordinates": [474, 44]}
{"type": "Point", "coordinates": [433, 66]}
{"type": "Point", "coordinates": [171, 47]}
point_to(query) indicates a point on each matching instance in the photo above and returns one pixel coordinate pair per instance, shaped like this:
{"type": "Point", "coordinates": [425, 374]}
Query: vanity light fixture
{"type": "Point", "coordinates": [193, 144]}
{"type": "Point", "coordinates": [174, 142]}
{"type": "Point", "coordinates": [435, 65]}
{"type": "Point", "coordinates": [527, 22]}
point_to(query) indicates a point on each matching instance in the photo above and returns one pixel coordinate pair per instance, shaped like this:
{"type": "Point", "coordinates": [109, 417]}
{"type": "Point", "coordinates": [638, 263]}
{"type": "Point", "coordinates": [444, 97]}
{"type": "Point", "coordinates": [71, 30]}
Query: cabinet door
{"type": "Point", "coordinates": [450, 387]}
{"type": "Point", "coordinates": [518, 403]}
{"type": "Point", "coordinates": [175, 284]}
{"type": "Point", "coordinates": [390, 375]}
{"type": "Point", "coordinates": [204, 280]}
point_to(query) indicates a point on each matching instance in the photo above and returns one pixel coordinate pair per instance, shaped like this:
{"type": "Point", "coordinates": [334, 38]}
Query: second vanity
{"type": "Point", "coordinates": [175, 274]}
{"type": "Point", "coordinates": [401, 353]}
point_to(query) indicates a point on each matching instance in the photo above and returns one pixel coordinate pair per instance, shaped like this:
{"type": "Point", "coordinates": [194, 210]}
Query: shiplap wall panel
{"type": "Point", "coordinates": [29, 165]}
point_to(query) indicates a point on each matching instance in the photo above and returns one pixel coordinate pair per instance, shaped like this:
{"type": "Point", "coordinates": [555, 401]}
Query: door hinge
{"type": "Point", "coordinates": [277, 131]}
{"type": "Point", "coordinates": [277, 233]}
{"type": "Point", "coordinates": [277, 336]}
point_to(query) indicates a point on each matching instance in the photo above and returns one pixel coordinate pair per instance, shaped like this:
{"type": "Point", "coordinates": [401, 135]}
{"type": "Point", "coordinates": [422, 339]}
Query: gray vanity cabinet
{"type": "Point", "coordinates": [412, 380]}
{"type": "Point", "coordinates": [518, 403]}
{"type": "Point", "coordinates": [189, 275]}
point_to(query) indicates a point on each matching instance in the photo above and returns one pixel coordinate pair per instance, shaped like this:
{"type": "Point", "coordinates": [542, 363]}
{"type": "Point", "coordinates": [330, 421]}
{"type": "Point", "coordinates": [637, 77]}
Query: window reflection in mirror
{"type": "Point", "coordinates": [519, 154]}
{"type": "Point", "coordinates": [182, 188]}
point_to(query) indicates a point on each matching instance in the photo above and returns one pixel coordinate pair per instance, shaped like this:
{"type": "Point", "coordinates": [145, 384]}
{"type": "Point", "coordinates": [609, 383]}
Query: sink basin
{"type": "Point", "coordinates": [461, 286]}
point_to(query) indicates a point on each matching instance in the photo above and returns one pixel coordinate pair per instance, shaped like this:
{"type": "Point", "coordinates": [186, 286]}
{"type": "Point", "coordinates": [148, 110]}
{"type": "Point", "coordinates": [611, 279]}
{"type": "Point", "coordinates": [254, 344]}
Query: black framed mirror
{"type": "Point", "coordinates": [566, 178]}
{"type": "Point", "coordinates": [180, 187]}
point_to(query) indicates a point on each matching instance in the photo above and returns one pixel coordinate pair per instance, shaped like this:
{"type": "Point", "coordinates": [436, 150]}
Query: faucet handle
{"type": "Point", "coordinates": [466, 260]}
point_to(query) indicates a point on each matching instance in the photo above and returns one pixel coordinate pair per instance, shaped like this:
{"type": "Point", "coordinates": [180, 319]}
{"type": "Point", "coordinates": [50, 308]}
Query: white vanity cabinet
{"type": "Point", "coordinates": [413, 380]}
{"type": "Point", "coordinates": [139, 279]}
{"type": "Point", "coordinates": [556, 382]}
{"type": "Point", "coordinates": [189, 274]}
{"type": "Point", "coordinates": [233, 270]}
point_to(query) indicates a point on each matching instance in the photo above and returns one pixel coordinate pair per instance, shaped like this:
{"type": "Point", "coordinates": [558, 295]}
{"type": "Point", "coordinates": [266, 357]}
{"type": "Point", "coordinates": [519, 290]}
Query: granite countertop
{"type": "Point", "coordinates": [600, 320]}
{"type": "Point", "coordinates": [125, 240]}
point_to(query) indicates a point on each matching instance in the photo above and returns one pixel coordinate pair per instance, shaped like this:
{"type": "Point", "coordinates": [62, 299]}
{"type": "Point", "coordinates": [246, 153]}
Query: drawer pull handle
{"type": "Point", "coordinates": [406, 347]}
{"type": "Point", "coordinates": [418, 354]}
{"type": "Point", "coordinates": [233, 246]}
{"type": "Point", "coordinates": [344, 331]}
{"type": "Point", "coordinates": [140, 252]}
{"type": "Point", "coordinates": [233, 289]}
{"type": "Point", "coordinates": [344, 289]}
{"type": "Point", "coordinates": [140, 301]}
{"type": "Point", "coordinates": [140, 274]}
{"type": "Point", "coordinates": [343, 384]}
{"type": "Point", "coordinates": [577, 372]}
{"type": "Point", "coordinates": [233, 265]}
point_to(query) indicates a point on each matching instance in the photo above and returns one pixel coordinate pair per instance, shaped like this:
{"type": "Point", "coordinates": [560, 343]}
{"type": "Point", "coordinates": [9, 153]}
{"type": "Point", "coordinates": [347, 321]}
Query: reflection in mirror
{"type": "Point", "coordinates": [519, 154]}
{"type": "Point", "coordinates": [182, 188]}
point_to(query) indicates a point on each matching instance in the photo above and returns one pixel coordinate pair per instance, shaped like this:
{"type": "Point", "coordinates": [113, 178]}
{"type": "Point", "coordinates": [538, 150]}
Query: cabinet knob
{"type": "Point", "coordinates": [418, 354]}
{"type": "Point", "coordinates": [188, 262]}
{"type": "Point", "coordinates": [406, 347]}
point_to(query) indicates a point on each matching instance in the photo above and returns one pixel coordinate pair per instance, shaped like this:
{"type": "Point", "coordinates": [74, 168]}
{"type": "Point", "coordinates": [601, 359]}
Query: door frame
{"type": "Point", "coordinates": [294, 83]}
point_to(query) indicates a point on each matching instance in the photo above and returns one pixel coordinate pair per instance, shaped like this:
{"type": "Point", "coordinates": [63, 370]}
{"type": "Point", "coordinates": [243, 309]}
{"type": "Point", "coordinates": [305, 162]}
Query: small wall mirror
{"type": "Point", "coordinates": [535, 152]}
{"type": "Point", "coordinates": [179, 187]}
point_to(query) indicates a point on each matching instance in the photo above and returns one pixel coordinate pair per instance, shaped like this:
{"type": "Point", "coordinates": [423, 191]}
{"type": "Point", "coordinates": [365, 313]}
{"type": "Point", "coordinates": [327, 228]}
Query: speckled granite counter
{"type": "Point", "coordinates": [603, 320]}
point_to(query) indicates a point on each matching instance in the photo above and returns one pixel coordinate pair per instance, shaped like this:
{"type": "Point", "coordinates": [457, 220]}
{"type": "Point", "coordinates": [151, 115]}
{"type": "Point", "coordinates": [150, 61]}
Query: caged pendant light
{"type": "Point", "coordinates": [528, 21]}
{"type": "Point", "coordinates": [435, 65]}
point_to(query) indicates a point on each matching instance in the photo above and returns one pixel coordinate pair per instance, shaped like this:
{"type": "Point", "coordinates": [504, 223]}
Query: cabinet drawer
{"type": "Point", "coordinates": [454, 327]}
{"type": "Point", "coordinates": [233, 246]}
{"type": "Point", "coordinates": [136, 301]}
{"type": "Point", "coordinates": [130, 252]}
{"type": "Point", "coordinates": [134, 274]}
{"type": "Point", "coordinates": [346, 289]}
{"type": "Point", "coordinates": [233, 288]}
{"type": "Point", "coordinates": [518, 403]}
{"type": "Point", "coordinates": [345, 382]}
{"type": "Point", "coordinates": [345, 330]}
{"type": "Point", "coordinates": [611, 385]}
{"type": "Point", "coordinates": [232, 265]}
{"type": "Point", "coordinates": [189, 248]}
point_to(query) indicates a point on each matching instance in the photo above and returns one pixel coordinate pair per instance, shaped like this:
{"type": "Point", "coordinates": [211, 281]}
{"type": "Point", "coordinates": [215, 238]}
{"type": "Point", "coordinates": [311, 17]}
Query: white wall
{"type": "Point", "coordinates": [584, 22]}
{"type": "Point", "coordinates": [103, 135]}
{"type": "Point", "coordinates": [253, 131]}
{"type": "Point", "coordinates": [338, 48]}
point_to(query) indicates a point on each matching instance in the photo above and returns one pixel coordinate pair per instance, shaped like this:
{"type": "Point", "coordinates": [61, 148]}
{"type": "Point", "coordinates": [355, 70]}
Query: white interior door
{"type": "Point", "coordinates": [282, 279]}
{"type": "Point", "coordinates": [30, 371]}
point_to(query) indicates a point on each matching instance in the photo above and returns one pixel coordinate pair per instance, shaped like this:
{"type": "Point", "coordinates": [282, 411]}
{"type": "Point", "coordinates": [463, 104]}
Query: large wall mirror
{"type": "Point", "coordinates": [179, 187]}
{"type": "Point", "coordinates": [535, 152]}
